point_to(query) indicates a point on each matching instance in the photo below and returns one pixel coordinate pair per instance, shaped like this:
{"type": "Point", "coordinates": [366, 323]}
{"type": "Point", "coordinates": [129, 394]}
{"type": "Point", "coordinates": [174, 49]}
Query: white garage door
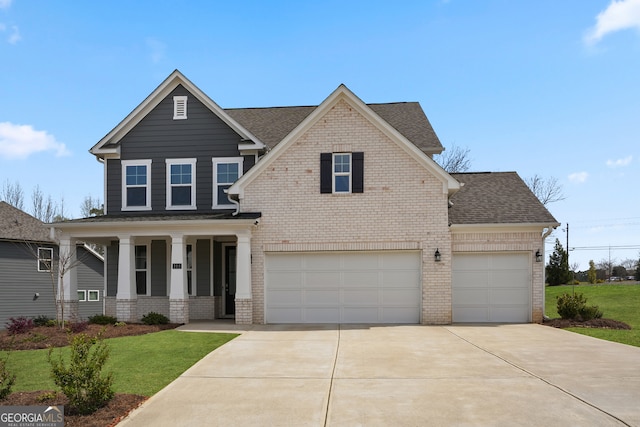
{"type": "Point", "coordinates": [491, 288]}
{"type": "Point", "coordinates": [343, 287]}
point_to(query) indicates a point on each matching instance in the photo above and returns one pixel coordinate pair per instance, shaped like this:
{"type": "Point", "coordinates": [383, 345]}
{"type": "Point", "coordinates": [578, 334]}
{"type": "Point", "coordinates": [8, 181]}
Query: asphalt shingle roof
{"type": "Point", "coordinates": [271, 125]}
{"type": "Point", "coordinates": [496, 198]}
{"type": "Point", "coordinates": [18, 225]}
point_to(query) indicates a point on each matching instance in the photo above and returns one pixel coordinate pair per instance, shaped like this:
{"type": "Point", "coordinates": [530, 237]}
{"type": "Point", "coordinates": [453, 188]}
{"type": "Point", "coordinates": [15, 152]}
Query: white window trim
{"type": "Point", "coordinates": [148, 269]}
{"type": "Point", "coordinates": [179, 108]}
{"type": "Point", "coordinates": [95, 292]}
{"type": "Point", "coordinates": [191, 162]}
{"type": "Point", "coordinates": [42, 259]}
{"type": "Point", "coordinates": [216, 161]}
{"type": "Point", "coordinates": [124, 164]}
{"type": "Point", "coordinates": [334, 174]}
{"type": "Point", "coordinates": [84, 295]}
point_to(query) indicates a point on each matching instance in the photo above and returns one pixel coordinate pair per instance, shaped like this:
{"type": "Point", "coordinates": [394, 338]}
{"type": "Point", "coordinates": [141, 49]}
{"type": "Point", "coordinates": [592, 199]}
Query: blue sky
{"type": "Point", "coordinates": [545, 87]}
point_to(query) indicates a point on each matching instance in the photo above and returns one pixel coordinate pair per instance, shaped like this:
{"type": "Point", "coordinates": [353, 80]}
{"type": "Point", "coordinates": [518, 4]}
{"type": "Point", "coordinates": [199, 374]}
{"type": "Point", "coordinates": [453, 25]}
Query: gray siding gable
{"type": "Point", "coordinates": [203, 135]}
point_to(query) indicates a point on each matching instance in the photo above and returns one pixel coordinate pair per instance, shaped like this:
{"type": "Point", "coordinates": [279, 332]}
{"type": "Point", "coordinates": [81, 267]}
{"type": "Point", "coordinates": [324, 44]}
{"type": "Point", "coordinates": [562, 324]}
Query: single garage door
{"type": "Point", "coordinates": [491, 288]}
{"type": "Point", "coordinates": [343, 287]}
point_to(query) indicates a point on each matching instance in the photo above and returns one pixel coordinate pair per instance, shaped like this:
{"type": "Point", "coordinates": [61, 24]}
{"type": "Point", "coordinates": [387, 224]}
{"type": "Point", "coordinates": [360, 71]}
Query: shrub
{"type": "Point", "coordinates": [153, 318]}
{"type": "Point", "coordinates": [101, 319]}
{"type": "Point", "coordinates": [575, 307]}
{"type": "Point", "coordinates": [81, 380]}
{"type": "Point", "coordinates": [76, 327]}
{"type": "Point", "coordinates": [42, 320]}
{"type": "Point", "coordinates": [6, 379]}
{"type": "Point", "coordinates": [19, 325]}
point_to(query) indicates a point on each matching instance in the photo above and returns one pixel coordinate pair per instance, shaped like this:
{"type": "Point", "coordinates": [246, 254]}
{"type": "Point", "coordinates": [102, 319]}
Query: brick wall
{"type": "Point", "coordinates": [402, 204]}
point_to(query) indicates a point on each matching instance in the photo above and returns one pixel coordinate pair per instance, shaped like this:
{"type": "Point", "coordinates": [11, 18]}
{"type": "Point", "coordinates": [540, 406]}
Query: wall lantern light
{"type": "Point", "coordinates": [538, 256]}
{"type": "Point", "coordinates": [437, 256]}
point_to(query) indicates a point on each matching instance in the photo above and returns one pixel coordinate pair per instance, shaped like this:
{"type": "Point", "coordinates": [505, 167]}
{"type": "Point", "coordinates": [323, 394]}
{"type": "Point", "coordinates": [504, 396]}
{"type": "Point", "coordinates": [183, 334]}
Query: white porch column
{"type": "Point", "coordinates": [244, 304]}
{"type": "Point", "coordinates": [178, 294]}
{"type": "Point", "coordinates": [67, 279]}
{"type": "Point", "coordinates": [126, 296]}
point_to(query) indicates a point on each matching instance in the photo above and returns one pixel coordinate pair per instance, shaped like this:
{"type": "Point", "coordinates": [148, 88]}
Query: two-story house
{"type": "Point", "coordinates": [334, 213]}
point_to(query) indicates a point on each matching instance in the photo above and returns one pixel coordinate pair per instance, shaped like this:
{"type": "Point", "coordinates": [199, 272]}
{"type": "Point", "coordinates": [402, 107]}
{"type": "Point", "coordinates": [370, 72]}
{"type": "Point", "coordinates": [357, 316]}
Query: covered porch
{"type": "Point", "coordinates": [186, 267]}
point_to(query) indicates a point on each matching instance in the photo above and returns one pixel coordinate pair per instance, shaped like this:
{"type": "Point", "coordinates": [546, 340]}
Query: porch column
{"type": "Point", "coordinates": [178, 295]}
{"type": "Point", "coordinates": [67, 279]}
{"type": "Point", "coordinates": [244, 303]}
{"type": "Point", "coordinates": [126, 296]}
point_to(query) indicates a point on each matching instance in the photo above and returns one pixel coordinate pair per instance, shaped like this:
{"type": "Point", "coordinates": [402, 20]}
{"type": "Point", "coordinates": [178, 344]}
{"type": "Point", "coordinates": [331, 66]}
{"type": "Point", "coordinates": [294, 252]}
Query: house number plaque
{"type": "Point", "coordinates": [176, 266]}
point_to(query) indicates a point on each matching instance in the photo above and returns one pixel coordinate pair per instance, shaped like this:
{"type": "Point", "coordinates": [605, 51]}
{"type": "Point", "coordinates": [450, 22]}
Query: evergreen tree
{"type": "Point", "coordinates": [638, 270]}
{"type": "Point", "coordinates": [593, 273]}
{"type": "Point", "coordinates": [558, 268]}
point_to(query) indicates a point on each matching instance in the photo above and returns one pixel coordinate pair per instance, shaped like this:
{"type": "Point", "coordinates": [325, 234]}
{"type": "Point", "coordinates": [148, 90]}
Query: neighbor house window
{"type": "Point", "coordinates": [141, 269]}
{"type": "Point", "coordinates": [226, 171]}
{"type": "Point", "coordinates": [45, 259]}
{"type": "Point", "coordinates": [93, 295]}
{"type": "Point", "coordinates": [342, 173]}
{"type": "Point", "coordinates": [82, 295]}
{"type": "Point", "coordinates": [136, 185]}
{"type": "Point", "coordinates": [181, 187]}
{"type": "Point", "coordinates": [179, 107]}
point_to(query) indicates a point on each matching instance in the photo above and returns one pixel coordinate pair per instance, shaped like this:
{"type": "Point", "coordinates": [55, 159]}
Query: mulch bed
{"type": "Point", "coordinates": [46, 337]}
{"type": "Point", "coordinates": [593, 323]}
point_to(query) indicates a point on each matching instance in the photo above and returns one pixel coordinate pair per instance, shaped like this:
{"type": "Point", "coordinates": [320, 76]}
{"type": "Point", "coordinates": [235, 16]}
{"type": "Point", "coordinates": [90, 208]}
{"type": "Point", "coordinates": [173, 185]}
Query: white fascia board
{"type": "Point", "coordinates": [342, 92]}
{"type": "Point", "coordinates": [498, 228]}
{"type": "Point", "coordinates": [151, 101]}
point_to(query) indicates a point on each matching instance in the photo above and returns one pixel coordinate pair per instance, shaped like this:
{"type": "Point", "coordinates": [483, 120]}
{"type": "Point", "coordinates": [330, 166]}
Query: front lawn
{"type": "Point", "coordinates": [618, 302]}
{"type": "Point", "coordinates": [141, 364]}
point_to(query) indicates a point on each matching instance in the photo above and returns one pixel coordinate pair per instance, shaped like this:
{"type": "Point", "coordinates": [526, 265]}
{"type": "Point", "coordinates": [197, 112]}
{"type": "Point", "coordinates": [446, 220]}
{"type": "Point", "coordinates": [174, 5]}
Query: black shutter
{"type": "Point", "coordinates": [357, 162]}
{"type": "Point", "coordinates": [326, 159]}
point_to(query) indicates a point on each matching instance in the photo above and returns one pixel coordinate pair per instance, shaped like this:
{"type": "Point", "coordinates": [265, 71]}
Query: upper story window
{"type": "Point", "coordinates": [342, 173]}
{"type": "Point", "coordinates": [45, 259]}
{"type": "Point", "coordinates": [179, 107]}
{"type": "Point", "coordinates": [181, 186]}
{"type": "Point", "coordinates": [136, 185]}
{"type": "Point", "coordinates": [226, 171]}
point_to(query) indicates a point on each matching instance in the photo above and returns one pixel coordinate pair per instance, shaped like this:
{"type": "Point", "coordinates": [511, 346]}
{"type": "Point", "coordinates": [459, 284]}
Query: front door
{"type": "Point", "coordinates": [229, 280]}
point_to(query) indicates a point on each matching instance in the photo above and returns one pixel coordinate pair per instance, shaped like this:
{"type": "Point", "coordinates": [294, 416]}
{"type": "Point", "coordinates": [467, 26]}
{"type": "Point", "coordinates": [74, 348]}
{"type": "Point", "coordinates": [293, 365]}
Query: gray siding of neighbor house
{"type": "Point", "coordinates": [90, 274]}
{"type": "Point", "coordinates": [159, 268]}
{"type": "Point", "coordinates": [203, 267]}
{"type": "Point", "coordinates": [20, 280]}
{"type": "Point", "coordinates": [158, 137]}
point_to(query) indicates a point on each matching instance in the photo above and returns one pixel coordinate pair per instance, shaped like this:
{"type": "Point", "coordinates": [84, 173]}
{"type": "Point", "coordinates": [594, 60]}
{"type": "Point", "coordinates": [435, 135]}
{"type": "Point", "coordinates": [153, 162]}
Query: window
{"type": "Point", "coordinates": [179, 107]}
{"type": "Point", "coordinates": [45, 259]}
{"type": "Point", "coordinates": [226, 171]}
{"type": "Point", "coordinates": [141, 269]}
{"type": "Point", "coordinates": [342, 173]}
{"type": "Point", "coordinates": [82, 295]}
{"type": "Point", "coordinates": [181, 188]}
{"type": "Point", "coordinates": [136, 185]}
{"type": "Point", "coordinates": [93, 296]}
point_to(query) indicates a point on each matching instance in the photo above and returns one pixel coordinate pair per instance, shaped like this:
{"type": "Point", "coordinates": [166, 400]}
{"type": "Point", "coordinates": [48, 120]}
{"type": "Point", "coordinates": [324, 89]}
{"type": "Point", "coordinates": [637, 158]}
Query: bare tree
{"type": "Point", "coordinates": [606, 265]}
{"type": "Point", "coordinates": [454, 161]}
{"type": "Point", "coordinates": [44, 208]}
{"type": "Point", "coordinates": [629, 264]}
{"type": "Point", "coordinates": [91, 207]}
{"type": "Point", "coordinates": [12, 194]}
{"type": "Point", "coordinates": [547, 190]}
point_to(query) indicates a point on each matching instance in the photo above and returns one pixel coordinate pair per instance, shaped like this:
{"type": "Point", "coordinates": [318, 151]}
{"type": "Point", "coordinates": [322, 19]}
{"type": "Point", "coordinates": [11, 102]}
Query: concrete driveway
{"type": "Point", "coordinates": [365, 375]}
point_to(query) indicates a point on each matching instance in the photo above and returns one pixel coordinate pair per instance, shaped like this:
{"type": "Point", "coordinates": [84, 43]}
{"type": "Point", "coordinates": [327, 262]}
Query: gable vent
{"type": "Point", "coordinates": [179, 107]}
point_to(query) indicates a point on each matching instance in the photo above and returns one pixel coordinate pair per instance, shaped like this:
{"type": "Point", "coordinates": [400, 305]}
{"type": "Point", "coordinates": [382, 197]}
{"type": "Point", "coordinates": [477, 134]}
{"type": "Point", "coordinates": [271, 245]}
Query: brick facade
{"type": "Point", "coordinates": [403, 204]}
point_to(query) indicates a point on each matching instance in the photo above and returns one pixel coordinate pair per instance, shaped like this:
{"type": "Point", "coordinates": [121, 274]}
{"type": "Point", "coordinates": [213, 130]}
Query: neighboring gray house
{"type": "Point", "coordinates": [26, 281]}
{"type": "Point", "coordinates": [334, 213]}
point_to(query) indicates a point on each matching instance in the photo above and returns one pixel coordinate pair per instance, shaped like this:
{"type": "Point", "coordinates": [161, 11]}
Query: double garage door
{"type": "Point", "coordinates": [343, 287]}
{"type": "Point", "coordinates": [491, 287]}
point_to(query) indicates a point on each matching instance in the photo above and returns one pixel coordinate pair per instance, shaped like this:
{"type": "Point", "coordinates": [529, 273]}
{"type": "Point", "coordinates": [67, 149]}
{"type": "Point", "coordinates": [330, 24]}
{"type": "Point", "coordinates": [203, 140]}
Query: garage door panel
{"type": "Point", "coordinates": [518, 297]}
{"type": "Point", "coordinates": [471, 279]}
{"type": "Point", "coordinates": [337, 287]}
{"type": "Point", "coordinates": [510, 262]}
{"type": "Point", "coordinates": [321, 297]}
{"type": "Point", "coordinates": [508, 314]}
{"type": "Point", "coordinates": [472, 314]}
{"type": "Point", "coordinates": [470, 296]}
{"type": "Point", "coordinates": [470, 263]}
{"type": "Point", "coordinates": [510, 279]}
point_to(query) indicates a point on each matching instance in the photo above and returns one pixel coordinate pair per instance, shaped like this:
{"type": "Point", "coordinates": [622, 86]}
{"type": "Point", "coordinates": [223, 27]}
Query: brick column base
{"type": "Point", "coordinates": [244, 311]}
{"type": "Point", "coordinates": [127, 310]}
{"type": "Point", "coordinates": [70, 310]}
{"type": "Point", "coordinates": [179, 310]}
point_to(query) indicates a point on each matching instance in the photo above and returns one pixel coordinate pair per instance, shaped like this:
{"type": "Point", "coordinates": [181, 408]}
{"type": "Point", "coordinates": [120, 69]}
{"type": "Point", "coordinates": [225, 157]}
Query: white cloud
{"type": "Point", "coordinates": [14, 33]}
{"type": "Point", "coordinates": [620, 162]}
{"type": "Point", "coordinates": [20, 141]}
{"type": "Point", "coordinates": [4, 4]}
{"type": "Point", "coordinates": [619, 15]}
{"type": "Point", "coordinates": [578, 177]}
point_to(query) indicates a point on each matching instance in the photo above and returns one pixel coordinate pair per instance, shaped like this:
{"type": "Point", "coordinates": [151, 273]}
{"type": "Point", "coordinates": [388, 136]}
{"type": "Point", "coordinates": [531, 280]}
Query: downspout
{"type": "Point", "coordinates": [235, 202]}
{"type": "Point", "coordinates": [546, 234]}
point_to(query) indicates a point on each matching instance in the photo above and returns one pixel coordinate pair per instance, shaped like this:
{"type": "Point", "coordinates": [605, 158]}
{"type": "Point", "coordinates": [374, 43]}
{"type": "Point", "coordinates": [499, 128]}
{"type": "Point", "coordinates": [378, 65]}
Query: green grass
{"type": "Point", "coordinates": [618, 302]}
{"type": "Point", "coordinates": [141, 364]}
